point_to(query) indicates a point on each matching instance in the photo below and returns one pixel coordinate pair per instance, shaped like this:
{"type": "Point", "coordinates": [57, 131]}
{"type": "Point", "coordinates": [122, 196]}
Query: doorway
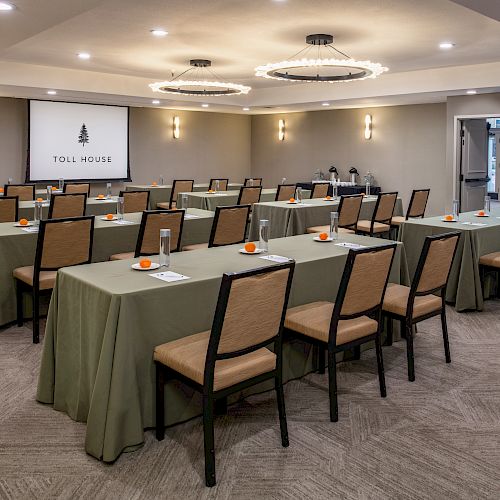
{"type": "Point", "coordinates": [493, 159]}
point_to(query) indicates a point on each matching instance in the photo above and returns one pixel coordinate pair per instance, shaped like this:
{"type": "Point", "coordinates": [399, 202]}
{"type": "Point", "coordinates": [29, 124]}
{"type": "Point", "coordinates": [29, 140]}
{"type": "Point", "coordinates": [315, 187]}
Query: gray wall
{"type": "Point", "coordinates": [407, 149]}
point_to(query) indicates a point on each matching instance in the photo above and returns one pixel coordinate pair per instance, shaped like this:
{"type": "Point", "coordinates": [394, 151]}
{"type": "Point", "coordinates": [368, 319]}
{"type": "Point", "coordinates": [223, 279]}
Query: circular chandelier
{"type": "Point", "coordinates": [201, 83]}
{"type": "Point", "coordinates": [320, 69]}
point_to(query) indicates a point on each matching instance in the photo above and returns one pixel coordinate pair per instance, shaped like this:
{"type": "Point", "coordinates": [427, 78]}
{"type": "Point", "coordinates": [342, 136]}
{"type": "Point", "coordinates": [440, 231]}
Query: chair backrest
{"type": "Point", "coordinates": [320, 189]}
{"type": "Point", "coordinates": [229, 226]}
{"type": "Point", "coordinates": [249, 195]}
{"type": "Point", "coordinates": [25, 192]}
{"type": "Point", "coordinates": [77, 188]}
{"type": "Point", "coordinates": [434, 265]}
{"type": "Point", "coordinates": [135, 201]}
{"type": "Point", "coordinates": [9, 208]}
{"type": "Point", "coordinates": [148, 241]}
{"type": "Point", "coordinates": [363, 284]}
{"type": "Point", "coordinates": [384, 207]}
{"type": "Point", "coordinates": [180, 186]}
{"type": "Point", "coordinates": [67, 205]}
{"type": "Point", "coordinates": [64, 242]}
{"type": "Point", "coordinates": [249, 315]}
{"type": "Point", "coordinates": [253, 181]}
{"type": "Point", "coordinates": [349, 209]}
{"type": "Point", "coordinates": [418, 202]}
{"type": "Point", "coordinates": [285, 192]}
{"type": "Point", "coordinates": [222, 184]}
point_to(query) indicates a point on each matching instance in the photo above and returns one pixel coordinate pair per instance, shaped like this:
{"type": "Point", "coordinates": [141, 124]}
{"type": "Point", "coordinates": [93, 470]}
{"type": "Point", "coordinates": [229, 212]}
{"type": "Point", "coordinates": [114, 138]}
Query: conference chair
{"type": "Point", "coordinates": [285, 192]}
{"type": "Point", "coordinates": [148, 240]}
{"type": "Point", "coordinates": [352, 320]}
{"type": "Point", "coordinates": [249, 195]}
{"type": "Point", "coordinates": [61, 243]}
{"type": "Point", "coordinates": [416, 208]}
{"type": "Point", "coordinates": [253, 181]}
{"type": "Point", "coordinates": [67, 205]}
{"type": "Point", "coordinates": [222, 184]}
{"type": "Point", "coordinates": [135, 201]}
{"type": "Point", "coordinates": [425, 297]}
{"type": "Point", "coordinates": [9, 208]}
{"type": "Point", "coordinates": [320, 190]}
{"type": "Point", "coordinates": [349, 209]}
{"type": "Point", "coordinates": [76, 188]}
{"type": "Point", "coordinates": [380, 223]}
{"type": "Point", "coordinates": [228, 228]}
{"type": "Point", "coordinates": [178, 186]}
{"type": "Point", "coordinates": [25, 192]}
{"type": "Point", "coordinates": [233, 355]}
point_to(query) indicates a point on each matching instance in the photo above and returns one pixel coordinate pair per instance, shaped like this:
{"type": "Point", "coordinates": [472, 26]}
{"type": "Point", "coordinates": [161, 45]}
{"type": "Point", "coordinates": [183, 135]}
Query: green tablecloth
{"type": "Point", "coordinates": [287, 219]}
{"type": "Point", "coordinates": [208, 201]}
{"type": "Point", "coordinates": [161, 194]}
{"type": "Point", "coordinates": [17, 248]}
{"type": "Point", "coordinates": [105, 320]}
{"type": "Point", "coordinates": [464, 287]}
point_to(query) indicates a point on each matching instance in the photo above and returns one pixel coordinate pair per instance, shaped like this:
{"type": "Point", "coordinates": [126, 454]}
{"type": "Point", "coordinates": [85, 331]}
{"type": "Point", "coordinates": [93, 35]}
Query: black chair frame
{"type": "Point", "coordinates": [7, 186]}
{"type": "Point", "coordinates": [247, 179]}
{"type": "Point", "coordinates": [342, 198]}
{"type": "Point", "coordinates": [173, 189]}
{"type": "Point", "coordinates": [381, 221]}
{"type": "Point", "coordinates": [213, 231]}
{"type": "Point", "coordinates": [248, 187]}
{"type": "Point", "coordinates": [53, 196]}
{"type": "Point", "coordinates": [212, 183]}
{"type": "Point", "coordinates": [420, 216]}
{"type": "Point", "coordinates": [279, 189]}
{"type": "Point", "coordinates": [318, 184]}
{"type": "Point", "coordinates": [76, 184]}
{"type": "Point", "coordinates": [122, 193]}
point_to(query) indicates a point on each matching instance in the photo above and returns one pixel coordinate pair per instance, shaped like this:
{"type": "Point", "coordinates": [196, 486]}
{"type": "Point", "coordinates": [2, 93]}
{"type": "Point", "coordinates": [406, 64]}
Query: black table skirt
{"type": "Point", "coordinates": [342, 190]}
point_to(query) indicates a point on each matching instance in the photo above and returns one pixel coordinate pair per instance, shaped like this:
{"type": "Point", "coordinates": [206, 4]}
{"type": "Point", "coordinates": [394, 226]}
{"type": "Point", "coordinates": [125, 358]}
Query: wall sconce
{"type": "Point", "coordinates": [176, 127]}
{"type": "Point", "coordinates": [368, 127]}
{"type": "Point", "coordinates": [281, 130]}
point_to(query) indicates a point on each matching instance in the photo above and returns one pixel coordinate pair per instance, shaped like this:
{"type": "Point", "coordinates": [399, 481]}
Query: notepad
{"type": "Point", "coordinates": [30, 229]}
{"type": "Point", "coordinates": [276, 258]}
{"type": "Point", "coordinates": [123, 222]}
{"type": "Point", "coordinates": [191, 216]}
{"type": "Point", "coordinates": [347, 244]}
{"type": "Point", "coordinates": [169, 276]}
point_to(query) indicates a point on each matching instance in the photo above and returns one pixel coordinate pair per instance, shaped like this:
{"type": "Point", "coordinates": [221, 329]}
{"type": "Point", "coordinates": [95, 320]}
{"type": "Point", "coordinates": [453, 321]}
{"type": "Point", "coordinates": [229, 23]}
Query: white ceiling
{"type": "Point", "coordinates": [39, 42]}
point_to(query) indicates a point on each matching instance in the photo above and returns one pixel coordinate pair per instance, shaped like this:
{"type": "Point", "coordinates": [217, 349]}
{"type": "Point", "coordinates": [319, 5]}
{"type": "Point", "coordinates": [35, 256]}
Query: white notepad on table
{"type": "Point", "coordinates": [169, 276]}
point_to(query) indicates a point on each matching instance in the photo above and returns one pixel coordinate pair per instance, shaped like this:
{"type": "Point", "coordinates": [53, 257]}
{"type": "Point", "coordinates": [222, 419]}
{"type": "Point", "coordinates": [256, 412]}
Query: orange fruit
{"type": "Point", "coordinates": [328, 197]}
{"type": "Point", "coordinates": [23, 222]}
{"type": "Point", "coordinates": [154, 183]}
{"type": "Point", "coordinates": [39, 199]}
{"type": "Point", "coordinates": [250, 247]}
{"type": "Point", "coordinates": [1, 190]}
{"type": "Point", "coordinates": [323, 236]}
{"type": "Point", "coordinates": [109, 216]}
{"type": "Point", "coordinates": [292, 200]}
{"type": "Point", "coordinates": [448, 217]}
{"type": "Point", "coordinates": [100, 196]}
{"type": "Point", "coordinates": [54, 188]}
{"type": "Point", "coordinates": [481, 212]}
{"type": "Point", "coordinates": [145, 263]}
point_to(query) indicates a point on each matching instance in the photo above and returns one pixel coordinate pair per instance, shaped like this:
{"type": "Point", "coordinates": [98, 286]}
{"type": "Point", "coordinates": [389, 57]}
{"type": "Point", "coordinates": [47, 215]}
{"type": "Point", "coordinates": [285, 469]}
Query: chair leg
{"type": "Point", "coordinates": [160, 402]}
{"type": "Point", "coordinates": [208, 434]}
{"type": "Point", "coordinates": [19, 300]}
{"type": "Point", "coordinates": [380, 366]}
{"type": "Point", "coordinates": [390, 332]}
{"type": "Point", "coordinates": [278, 384]}
{"type": "Point", "coordinates": [357, 352]}
{"type": "Point", "coordinates": [321, 360]}
{"type": "Point", "coordinates": [445, 336]}
{"type": "Point", "coordinates": [220, 406]}
{"type": "Point", "coordinates": [332, 386]}
{"type": "Point", "coordinates": [36, 316]}
{"type": "Point", "coordinates": [409, 352]}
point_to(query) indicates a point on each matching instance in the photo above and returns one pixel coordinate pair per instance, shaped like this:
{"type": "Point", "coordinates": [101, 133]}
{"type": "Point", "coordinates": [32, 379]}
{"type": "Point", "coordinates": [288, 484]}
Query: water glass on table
{"type": "Point", "coordinates": [61, 184]}
{"type": "Point", "coordinates": [456, 209]}
{"type": "Point", "coordinates": [183, 201]}
{"type": "Point", "coordinates": [368, 189]}
{"type": "Point", "coordinates": [264, 235]}
{"type": "Point", "coordinates": [334, 225]}
{"type": "Point", "coordinates": [108, 190]}
{"type": "Point", "coordinates": [165, 248]}
{"type": "Point", "coordinates": [49, 192]}
{"type": "Point", "coordinates": [298, 194]}
{"type": "Point", "coordinates": [38, 213]}
{"type": "Point", "coordinates": [487, 204]}
{"type": "Point", "coordinates": [120, 208]}
{"type": "Point", "coordinates": [217, 185]}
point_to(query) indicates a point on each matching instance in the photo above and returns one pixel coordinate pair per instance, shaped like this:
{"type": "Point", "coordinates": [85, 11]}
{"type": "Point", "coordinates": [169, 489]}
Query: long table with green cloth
{"type": "Point", "coordinates": [480, 236]}
{"type": "Point", "coordinates": [105, 320]}
{"type": "Point", "coordinates": [287, 219]}
{"type": "Point", "coordinates": [17, 248]}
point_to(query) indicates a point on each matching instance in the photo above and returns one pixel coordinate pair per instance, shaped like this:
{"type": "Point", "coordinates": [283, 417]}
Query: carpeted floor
{"type": "Point", "coordinates": [436, 438]}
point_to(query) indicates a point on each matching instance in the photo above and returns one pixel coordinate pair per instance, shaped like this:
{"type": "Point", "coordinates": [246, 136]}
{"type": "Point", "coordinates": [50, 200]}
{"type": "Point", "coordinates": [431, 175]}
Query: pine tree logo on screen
{"type": "Point", "coordinates": [83, 138]}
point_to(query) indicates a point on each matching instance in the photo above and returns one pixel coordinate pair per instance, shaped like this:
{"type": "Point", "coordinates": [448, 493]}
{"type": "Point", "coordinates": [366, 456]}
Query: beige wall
{"type": "Point", "coordinates": [407, 149]}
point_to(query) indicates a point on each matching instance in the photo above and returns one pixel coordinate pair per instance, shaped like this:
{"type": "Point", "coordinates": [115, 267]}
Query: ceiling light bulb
{"type": "Point", "coordinates": [51, 92]}
{"type": "Point", "coordinates": [84, 55]}
{"type": "Point", "coordinates": [472, 92]}
{"type": "Point", "coordinates": [446, 45]}
{"type": "Point", "coordinates": [159, 32]}
{"type": "Point", "coordinates": [155, 101]}
{"type": "Point", "coordinates": [204, 105]}
{"type": "Point", "coordinates": [6, 6]}
{"type": "Point", "coordinates": [246, 109]}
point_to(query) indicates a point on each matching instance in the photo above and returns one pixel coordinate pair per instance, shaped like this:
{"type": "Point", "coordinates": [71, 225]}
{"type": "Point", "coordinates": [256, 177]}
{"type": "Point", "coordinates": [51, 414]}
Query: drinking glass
{"type": "Point", "coordinates": [61, 184]}
{"type": "Point", "coordinates": [108, 190]}
{"type": "Point", "coordinates": [335, 190]}
{"type": "Point", "coordinates": [184, 201]}
{"type": "Point", "coordinates": [368, 189]}
{"type": "Point", "coordinates": [250, 182]}
{"type": "Point", "coordinates": [264, 235]}
{"type": "Point", "coordinates": [10, 181]}
{"type": "Point", "coordinates": [217, 185]}
{"type": "Point", "coordinates": [38, 213]}
{"type": "Point", "coordinates": [487, 204]}
{"type": "Point", "coordinates": [165, 248]}
{"type": "Point", "coordinates": [119, 208]}
{"type": "Point", "coordinates": [161, 182]}
{"type": "Point", "coordinates": [49, 192]}
{"type": "Point", "coordinates": [334, 225]}
{"type": "Point", "coordinates": [456, 209]}
{"type": "Point", "coordinates": [283, 181]}
{"type": "Point", "coordinates": [298, 194]}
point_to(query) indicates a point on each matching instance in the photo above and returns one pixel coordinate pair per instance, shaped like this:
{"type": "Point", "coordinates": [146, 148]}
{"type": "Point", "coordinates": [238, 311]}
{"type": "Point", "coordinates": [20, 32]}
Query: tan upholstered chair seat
{"type": "Point", "coordinates": [197, 246]}
{"type": "Point", "coordinates": [122, 256]}
{"type": "Point", "coordinates": [490, 259]}
{"type": "Point", "coordinates": [163, 205]}
{"type": "Point", "coordinates": [187, 356]}
{"type": "Point", "coordinates": [396, 300]}
{"type": "Point", "coordinates": [326, 229]}
{"type": "Point", "coordinates": [365, 225]}
{"type": "Point", "coordinates": [398, 220]}
{"type": "Point", "coordinates": [314, 320]}
{"type": "Point", "coordinates": [25, 274]}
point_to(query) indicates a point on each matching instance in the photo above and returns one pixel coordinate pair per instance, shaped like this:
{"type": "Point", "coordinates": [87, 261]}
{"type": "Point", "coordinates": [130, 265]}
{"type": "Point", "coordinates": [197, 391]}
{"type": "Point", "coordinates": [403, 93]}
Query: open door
{"type": "Point", "coordinates": [473, 164]}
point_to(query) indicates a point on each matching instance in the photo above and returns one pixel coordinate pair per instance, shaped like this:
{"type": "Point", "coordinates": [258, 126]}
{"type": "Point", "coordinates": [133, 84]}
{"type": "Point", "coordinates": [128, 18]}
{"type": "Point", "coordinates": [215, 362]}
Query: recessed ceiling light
{"type": "Point", "coordinates": [6, 6]}
{"type": "Point", "coordinates": [155, 101]}
{"type": "Point", "coordinates": [204, 105]}
{"type": "Point", "coordinates": [246, 109]}
{"type": "Point", "coordinates": [51, 92]}
{"type": "Point", "coordinates": [159, 32]}
{"type": "Point", "coordinates": [446, 45]}
{"type": "Point", "coordinates": [472, 92]}
{"type": "Point", "coordinates": [84, 55]}
{"type": "Point", "coordinates": [325, 104]}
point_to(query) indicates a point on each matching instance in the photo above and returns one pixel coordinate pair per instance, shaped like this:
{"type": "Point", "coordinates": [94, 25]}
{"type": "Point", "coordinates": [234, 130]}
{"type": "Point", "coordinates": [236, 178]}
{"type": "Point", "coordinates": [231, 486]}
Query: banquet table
{"type": "Point", "coordinates": [100, 369]}
{"type": "Point", "coordinates": [94, 207]}
{"type": "Point", "coordinates": [209, 201]}
{"type": "Point", "coordinates": [17, 248]}
{"type": "Point", "coordinates": [161, 194]}
{"type": "Point", "coordinates": [287, 219]}
{"type": "Point", "coordinates": [464, 286]}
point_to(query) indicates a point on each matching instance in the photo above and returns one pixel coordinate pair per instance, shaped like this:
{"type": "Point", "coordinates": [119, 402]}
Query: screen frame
{"type": "Point", "coordinates": [90, 181]}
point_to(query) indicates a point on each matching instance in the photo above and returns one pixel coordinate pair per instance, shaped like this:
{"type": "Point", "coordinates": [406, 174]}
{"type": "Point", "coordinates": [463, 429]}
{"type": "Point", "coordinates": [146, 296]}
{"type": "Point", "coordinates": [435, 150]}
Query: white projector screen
{"type": "Point", "coordinates": [77, 142]}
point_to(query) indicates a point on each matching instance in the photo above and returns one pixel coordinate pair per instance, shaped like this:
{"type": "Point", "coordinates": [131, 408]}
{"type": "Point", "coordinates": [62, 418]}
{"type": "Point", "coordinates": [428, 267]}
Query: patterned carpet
{"type": "Point", "coordinates": [436, 438]}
